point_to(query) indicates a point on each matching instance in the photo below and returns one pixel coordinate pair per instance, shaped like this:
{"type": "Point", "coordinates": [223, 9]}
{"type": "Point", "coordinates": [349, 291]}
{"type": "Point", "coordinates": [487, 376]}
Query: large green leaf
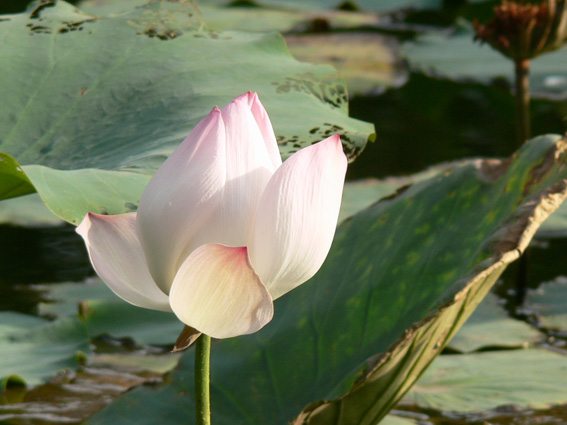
{"type": "Point", "coordinates": [92, 106]}
{"type": "Point", "coordinates": [360, 194]}
{"type": "Point", "coordinates": [460, 57]}
{"type": "Point", "coordinates": [401, 278]}
{"type": "Point", "coordinates": [533, 378]}
{"type": "Point", "coordinates": [253, 18]}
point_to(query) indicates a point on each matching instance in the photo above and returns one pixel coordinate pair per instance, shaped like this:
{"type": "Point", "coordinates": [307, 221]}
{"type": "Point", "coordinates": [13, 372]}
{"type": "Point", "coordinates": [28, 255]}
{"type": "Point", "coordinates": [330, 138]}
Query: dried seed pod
{"type": "Point", "coordinates": [522, 31]}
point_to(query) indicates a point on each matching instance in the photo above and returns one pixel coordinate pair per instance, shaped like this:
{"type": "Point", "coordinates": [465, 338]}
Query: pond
{"type": "Point", "coordinates": [427, 117]}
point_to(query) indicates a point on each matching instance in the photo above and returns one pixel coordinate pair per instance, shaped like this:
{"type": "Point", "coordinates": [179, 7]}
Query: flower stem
{"type": "Point", "coordinates": [523, 134]}
{"type": "Point", "coordinates": [202, 377]}
{"type": "Point", "coordinates": [522, 100]}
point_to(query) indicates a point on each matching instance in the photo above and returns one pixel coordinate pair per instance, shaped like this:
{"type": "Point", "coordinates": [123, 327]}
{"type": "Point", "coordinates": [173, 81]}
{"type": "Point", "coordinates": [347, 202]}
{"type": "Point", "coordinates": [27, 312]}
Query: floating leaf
{"type": "Point", "coordinates": [157, 363]}
{"type": "Point", "coordinates": [533, 378]}
{"type": "Point", "coordinates": [549, 301]}
{"type": "Point", "coordinates": [283, 20]}
{"type": "Point", "coordinates": [103, 8]}
{"type": "Point", "coordinates": [396, 420]}
{"type": "Point", "coordinates": [254, 18]}
{"type": "Point", "coordinates": [27, 210]}
{"type": "Point", "coordinates": [556, 226]}
{"type": "Point", "coordinates": [401, 278]}
{"type": "Point", "coordinates": [490, 326]}
{"type": "Point", "coordinates": [460, 57]}
{"type": "Point", "coordinates": [368, 62]}
{"type": "Point", "coordinates": [122, 320]}
{"type": "Point", "coordinates": [34, 351]}
{"type": "Point", "coordinates": [365, 5]}
{"type": "Point", "coordinates": [97, 104]}
{"type": "Point", "coordinates": [64, 299]}
{"type": "Point", "coordinates": [106, 314]}
{"type": "Point", "coordinates": [13, 323]}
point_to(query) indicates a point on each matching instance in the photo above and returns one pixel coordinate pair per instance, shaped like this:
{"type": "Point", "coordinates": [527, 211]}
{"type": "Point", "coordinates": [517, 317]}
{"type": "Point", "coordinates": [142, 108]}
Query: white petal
{"type": "Point", "coordinates": [180, 198]}
{"type": "Point", "coordinates": [297, 216]}
{"type": "Point", "coordinates": [117, 257]}
{"type": "Point", "coordinates": [217, 292]}
{"type": "Point", "coordinates": [249, 167]}
{"type": "Point", "coordinates": [266, 128]}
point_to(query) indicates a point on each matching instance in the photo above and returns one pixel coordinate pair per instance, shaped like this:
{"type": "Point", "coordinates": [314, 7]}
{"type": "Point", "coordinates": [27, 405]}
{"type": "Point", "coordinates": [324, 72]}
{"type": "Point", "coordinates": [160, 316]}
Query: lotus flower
{"type": "Point", "coordinates": [223, 228]}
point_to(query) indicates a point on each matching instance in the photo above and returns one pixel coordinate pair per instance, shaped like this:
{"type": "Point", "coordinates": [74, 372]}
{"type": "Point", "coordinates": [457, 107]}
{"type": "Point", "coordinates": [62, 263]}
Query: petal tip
{"type": "Point", "coordinates": [83, 227]}
{"type": "Point", "coordinates": [334, 141]}
{"type": "Point", "coordinates": [249, 98]}
{"type": "Point", "coordinates": [87, 222]}
{"type": "Point", "coordinates": [245, 98]}
{"type": "Point", "coordinates": [335, 138]}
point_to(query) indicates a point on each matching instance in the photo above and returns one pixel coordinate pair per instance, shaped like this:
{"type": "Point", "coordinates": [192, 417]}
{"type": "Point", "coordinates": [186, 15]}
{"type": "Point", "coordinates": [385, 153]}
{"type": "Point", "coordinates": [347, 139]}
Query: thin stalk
{"type": "Point", "coordinates": [202, 378]}
{"type": "Point", "coordinates": [522, 100]}
{"type": "Point", "coordinates": [523, 133]}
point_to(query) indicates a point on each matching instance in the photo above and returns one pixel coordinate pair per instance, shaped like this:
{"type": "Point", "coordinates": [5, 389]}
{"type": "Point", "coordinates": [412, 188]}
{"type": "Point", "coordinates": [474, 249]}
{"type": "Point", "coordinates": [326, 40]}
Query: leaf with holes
{"type": "Point", "coordinates": [252, 18]}
{"type": "Point", "coordinates": [92, 106]}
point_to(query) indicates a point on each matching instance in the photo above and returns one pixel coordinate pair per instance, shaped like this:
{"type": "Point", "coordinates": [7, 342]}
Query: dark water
{"type": "Point", "coordinates": [431, 120]}
{"type": "Point", "coordinates": [38, 255]}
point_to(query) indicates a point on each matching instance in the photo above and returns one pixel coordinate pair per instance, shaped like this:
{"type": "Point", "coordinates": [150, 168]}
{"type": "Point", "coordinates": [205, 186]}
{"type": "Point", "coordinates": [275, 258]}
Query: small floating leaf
{"type": "Point", "coordinates": [533, 378]}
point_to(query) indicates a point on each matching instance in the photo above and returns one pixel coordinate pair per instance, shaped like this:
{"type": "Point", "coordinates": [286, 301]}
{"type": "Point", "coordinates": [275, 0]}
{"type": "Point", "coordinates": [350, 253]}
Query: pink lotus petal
{"type": "Point", "coordinates": [117, 257]}
{"type": "Point", "coordinates": [266, 128]}
{"type": "Point", "coordinates": [181, 197]}
{"type": "Point", "coordinates": [297, 216]}
{"type": "Point", "coordinates": [217, 292]}
{"type": "Point", "coordinates": [249, 167]}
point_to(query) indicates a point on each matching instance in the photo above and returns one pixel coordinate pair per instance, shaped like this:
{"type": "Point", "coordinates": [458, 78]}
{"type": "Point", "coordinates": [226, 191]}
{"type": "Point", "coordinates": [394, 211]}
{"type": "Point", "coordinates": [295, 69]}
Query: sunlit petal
{"type": "Point", "coordinates": [297, 216]}
{"type": "Point", "coordinates": [249, 167]}
{"type": "Point", "coordinates": [181, 197]}
{"type": "Point", "coordinates": [217, 292]}
{"type": "Point", "coordinates": [117, 257]}
{"type": "Point", "coordinates": [266, 128]}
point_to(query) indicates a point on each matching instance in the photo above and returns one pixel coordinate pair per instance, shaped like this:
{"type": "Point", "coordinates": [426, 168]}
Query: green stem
{"type": "Point", "coordinates": [202, 377]}
{"type": "Point", "coordinates": [522, 100]}
{"type": "Point", "coordinates": [523, 134]}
